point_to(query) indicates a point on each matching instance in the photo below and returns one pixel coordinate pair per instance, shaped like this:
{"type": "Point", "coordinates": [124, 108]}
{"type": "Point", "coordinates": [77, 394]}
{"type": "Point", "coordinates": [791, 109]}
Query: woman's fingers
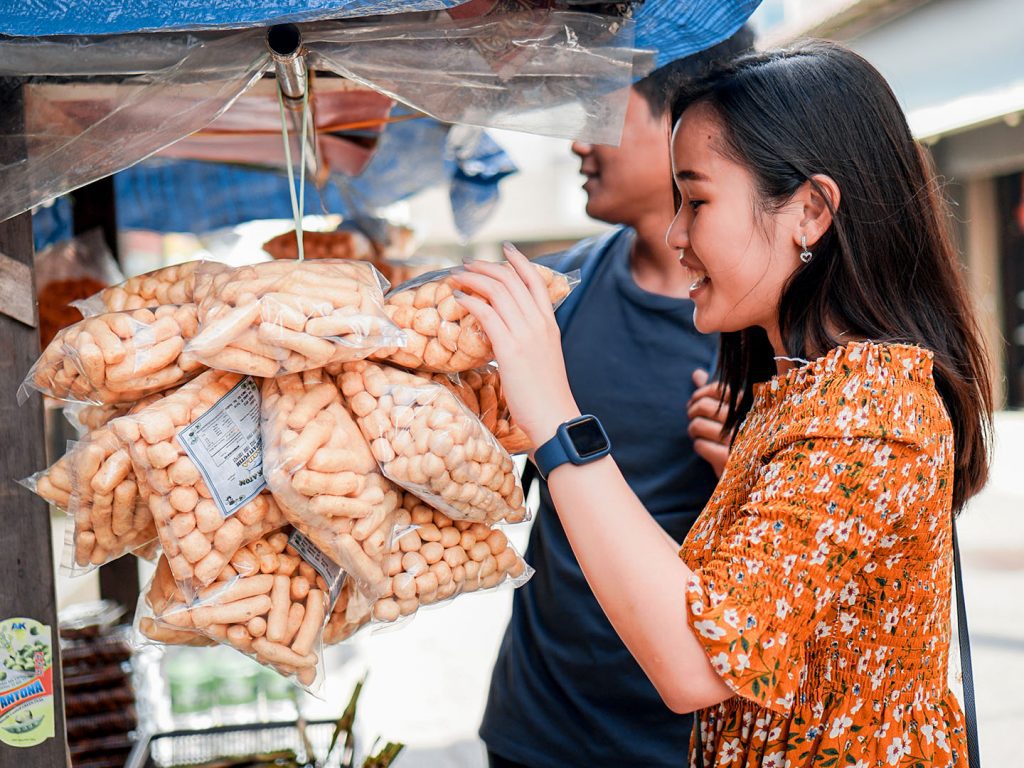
{"type": "Point", "coordinates": [494, 325]}
{"type": "Point", "coordinates": [495, 293]}
{"type": "Point", "coordinates": [531, 278]}
{"type": "Point", "coordinates": [507, 276]}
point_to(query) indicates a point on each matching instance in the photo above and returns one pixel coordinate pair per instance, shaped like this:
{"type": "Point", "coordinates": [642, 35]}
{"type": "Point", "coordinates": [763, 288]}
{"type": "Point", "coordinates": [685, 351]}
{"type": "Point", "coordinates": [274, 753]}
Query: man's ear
{"type": "Point", "coordinates": [818, 198]}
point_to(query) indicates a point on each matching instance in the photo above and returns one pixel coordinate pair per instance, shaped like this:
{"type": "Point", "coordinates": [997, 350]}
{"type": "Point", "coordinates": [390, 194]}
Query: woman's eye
{"type": "Point", "coordinates": [695, 204]}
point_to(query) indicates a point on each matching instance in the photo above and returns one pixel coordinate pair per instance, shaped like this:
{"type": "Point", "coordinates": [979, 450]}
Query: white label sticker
{"type": "Point", "coordinates": [321, 563]}
{"type": "Point", "coordinates": [226, 446]}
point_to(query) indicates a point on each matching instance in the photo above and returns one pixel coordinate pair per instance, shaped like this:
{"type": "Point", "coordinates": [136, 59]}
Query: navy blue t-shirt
{"type": "Point", "coordinates": [565, 690]}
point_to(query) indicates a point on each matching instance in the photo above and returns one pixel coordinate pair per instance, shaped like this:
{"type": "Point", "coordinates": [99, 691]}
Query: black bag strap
{"type": "Point", "coordinates": [970, 714]}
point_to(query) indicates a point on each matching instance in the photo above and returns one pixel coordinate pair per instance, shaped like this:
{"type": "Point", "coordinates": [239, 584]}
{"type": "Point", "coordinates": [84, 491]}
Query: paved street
{"type": "Point", "coordinates": [428, 680]}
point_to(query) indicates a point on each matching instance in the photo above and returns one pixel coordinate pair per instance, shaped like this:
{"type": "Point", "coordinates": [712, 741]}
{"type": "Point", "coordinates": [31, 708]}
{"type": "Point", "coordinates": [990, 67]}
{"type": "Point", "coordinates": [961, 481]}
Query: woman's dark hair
{"type": "Point", "coordinates": [887, 268]}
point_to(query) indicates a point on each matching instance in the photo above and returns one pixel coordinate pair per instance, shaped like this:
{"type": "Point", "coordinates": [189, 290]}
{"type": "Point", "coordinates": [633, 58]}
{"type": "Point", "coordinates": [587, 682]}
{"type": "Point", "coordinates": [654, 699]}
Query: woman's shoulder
{"type": "Point", "coordinates": [860, 390]}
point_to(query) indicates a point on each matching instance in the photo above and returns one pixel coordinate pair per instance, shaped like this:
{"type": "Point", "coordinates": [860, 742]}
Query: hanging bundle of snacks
{"type": "Point", "coordinates": [199, 453]}
{"type": "Point", "coordinates": [480, 391]}
{"type": "Point", "coordinates": [429, 443]}
{"type": "Point", "coordinates": [432, 560]}
{"type": "Point", "coordinates": [287, 316]}
{"type": "Point", "coordinates": [271, 602]}
{"type": "Point", "coordinates": [440, 334]}
{"type": "Point", "coordinates": [117, 357]}
{"type": "Point", "coordinates": [319, 467]}
{"type": "Point", "coordinates": [169, 285]}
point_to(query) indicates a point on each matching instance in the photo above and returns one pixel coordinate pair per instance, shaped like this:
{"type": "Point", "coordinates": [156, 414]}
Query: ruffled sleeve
{"type": "Point", "coordinates": [820, 510]}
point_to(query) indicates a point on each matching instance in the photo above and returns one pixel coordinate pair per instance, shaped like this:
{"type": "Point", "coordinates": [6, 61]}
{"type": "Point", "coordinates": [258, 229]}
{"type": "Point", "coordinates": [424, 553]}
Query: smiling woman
{"type": "Point", "coordinates": [807, 614]}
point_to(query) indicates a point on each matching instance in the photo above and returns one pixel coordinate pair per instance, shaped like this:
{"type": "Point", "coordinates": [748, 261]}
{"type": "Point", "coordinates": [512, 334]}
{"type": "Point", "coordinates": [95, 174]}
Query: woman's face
{"type": "Point", "coordinates": [740, 258]}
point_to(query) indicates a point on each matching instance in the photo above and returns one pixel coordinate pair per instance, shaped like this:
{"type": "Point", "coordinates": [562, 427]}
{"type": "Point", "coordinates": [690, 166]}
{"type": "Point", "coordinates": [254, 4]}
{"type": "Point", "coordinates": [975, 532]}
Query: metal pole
{"type": "Point", "coordinates": [284, 41]}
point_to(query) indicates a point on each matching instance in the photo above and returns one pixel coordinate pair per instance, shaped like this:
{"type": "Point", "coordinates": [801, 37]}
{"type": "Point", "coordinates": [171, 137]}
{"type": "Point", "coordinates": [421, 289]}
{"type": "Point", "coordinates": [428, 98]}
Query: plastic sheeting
{"type": "Point", "coordinates": [197, 197]}
{"type": "Point", "coordinates": [555, 73]}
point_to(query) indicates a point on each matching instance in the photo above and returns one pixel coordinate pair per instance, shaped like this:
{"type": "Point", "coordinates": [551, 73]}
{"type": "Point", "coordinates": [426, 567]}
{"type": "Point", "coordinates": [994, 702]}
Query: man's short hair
{"type": "Point", "coordinates": [658, 88]}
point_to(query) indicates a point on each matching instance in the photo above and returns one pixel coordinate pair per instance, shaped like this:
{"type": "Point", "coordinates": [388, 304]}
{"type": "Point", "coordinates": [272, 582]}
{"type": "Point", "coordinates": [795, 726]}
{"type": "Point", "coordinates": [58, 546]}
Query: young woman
{"type": "Point", "coordinates": [807, 614]}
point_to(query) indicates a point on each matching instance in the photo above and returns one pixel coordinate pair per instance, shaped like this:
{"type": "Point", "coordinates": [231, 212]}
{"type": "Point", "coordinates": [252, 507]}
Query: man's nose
{"type": "Point", "coordinates": [581, 148]}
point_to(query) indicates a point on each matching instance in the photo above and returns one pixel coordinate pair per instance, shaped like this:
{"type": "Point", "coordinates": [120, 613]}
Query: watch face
{"type": "Point", "coordinates": [588, 437]}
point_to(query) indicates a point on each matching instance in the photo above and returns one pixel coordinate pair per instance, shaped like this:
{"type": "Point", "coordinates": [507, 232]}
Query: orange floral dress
{"type": "Point", "coordinates": [822, 571]}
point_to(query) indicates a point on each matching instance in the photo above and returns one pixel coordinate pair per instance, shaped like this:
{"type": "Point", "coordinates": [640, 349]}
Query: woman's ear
{"type": "Point", "coordinates": [819, 198]}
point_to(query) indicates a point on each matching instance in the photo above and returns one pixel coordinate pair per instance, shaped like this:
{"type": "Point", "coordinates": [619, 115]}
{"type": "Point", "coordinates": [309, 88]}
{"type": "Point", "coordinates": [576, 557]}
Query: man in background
{"type": "Point", "coordinates": [565, 690]}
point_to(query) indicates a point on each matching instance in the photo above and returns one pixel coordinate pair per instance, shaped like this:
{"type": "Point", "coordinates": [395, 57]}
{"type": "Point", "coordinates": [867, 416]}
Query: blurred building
{"type": "Point", "coordinates": [957, 67]}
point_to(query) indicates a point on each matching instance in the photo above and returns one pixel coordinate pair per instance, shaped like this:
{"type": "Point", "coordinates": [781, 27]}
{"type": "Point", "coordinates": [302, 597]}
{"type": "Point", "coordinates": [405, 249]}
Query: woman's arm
{"type": "Point", "coordinates": [629, 562]}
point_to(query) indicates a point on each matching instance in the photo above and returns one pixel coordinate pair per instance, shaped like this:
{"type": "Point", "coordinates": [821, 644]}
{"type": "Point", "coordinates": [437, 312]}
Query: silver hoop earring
{"type": "Point", "coordinates": [805, 255]}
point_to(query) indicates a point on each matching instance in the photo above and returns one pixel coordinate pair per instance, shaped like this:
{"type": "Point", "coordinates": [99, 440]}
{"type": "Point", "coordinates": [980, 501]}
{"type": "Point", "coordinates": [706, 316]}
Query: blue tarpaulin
{"type": "Point", "coordinates": [672, 28]}
{"type": "Point", "coordinates": [110, 17]}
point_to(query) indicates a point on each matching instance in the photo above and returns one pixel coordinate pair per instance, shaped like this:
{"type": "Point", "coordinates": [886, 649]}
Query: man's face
{"type": "Point", "coordinates": [628, 182]}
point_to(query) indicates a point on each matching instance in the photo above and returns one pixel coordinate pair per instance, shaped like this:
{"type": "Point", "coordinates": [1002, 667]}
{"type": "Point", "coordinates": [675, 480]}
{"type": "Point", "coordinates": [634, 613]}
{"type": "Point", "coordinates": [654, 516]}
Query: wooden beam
{"type": "Point", "coordinates": [27, 587]}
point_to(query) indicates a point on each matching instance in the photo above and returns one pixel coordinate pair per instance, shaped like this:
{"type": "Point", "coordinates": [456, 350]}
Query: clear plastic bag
{"type": "Point", "coordinates": [107, 510]}
{"type": "Point", "coordinates": [68, 271]}
{"type": "Point", "coordinates": [117, 357]}
{"type": "Point", "coordinates": [270, 602]}
{"type": "Point", "coordinates": [440, 334]}
{"type": "Point", "coordinates": [199, 453]}
{"type": "Point", "coordinates": [156, 598]}
{"type": "Point", "coordinates": [480, 391]}
{"type": "Point", "coordinates": [429, 443]}
{"type": "Point", "coordinates": [319, 467]}
{"type": "Point", "coordinates": [433, 559]}
{"type": "Point", "coordinates": [169, 285]}
{"type": "Point", "coordinates": [290, 316]}
{"type": "Point", "coordinates": [85, 417]}
{"type": "Point", "coordinates": [53, 484]}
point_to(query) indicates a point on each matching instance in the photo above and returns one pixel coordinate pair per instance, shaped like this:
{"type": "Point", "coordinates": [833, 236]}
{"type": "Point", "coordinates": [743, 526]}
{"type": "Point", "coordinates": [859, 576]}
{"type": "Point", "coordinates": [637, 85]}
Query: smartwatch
{"type": "Point", "coordinates": [577, 441]}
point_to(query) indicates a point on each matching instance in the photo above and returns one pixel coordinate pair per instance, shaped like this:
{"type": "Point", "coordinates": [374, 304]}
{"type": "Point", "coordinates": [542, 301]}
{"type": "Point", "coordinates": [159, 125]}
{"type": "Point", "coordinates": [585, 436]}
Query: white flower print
{"type": "Point", "coordinates": [731, 617]}
{"type": "Point", "coordinates": [774, 760]}
{"type": "Point", "coordinates": [848, 622]}
{"type": "Point", "coordinates": [742, 662]}
{"type": "Point", "coordinates": [887, 541]}
{"type": "Point", "coordinates": [892, 619]}
{"type": "Point", "coordinates": [730, 752]}
{"type": "Point", "coordinates": [896, 751]}
{"type": "Point", "coordinates": [839, 726]}
{"type": "Point", "coordinates": [844, 530]}
{"type": "Point", "coordinates": [782, 608]}
{"type": "Point", "coordinates": [926, 731]}
{"type": "Point", "coordinates": [848, 594]}
{"type": "Point", "coordinates": [709, 629]}
{"type": "Point", "coordinates": [721, 663]}
{"type": "Point", "coordinates": [844, 418]}
{"type": "Point", "coordinates": [940, 740]}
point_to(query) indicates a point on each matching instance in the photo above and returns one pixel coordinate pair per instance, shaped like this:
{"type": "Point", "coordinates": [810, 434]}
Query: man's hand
{"type": "Point", "coordinates": [707, 412]}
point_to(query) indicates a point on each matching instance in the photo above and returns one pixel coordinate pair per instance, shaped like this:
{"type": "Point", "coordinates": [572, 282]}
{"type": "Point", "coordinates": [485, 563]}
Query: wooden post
{"type": "Point", "coordinates": [94, 206]}
{"type": "Point", "coordinates": [26, 560]}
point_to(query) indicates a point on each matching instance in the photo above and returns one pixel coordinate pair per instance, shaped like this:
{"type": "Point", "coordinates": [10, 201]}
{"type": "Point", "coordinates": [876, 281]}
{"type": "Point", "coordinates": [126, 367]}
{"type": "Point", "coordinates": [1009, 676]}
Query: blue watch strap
{"type": "Point", "coordinates": [551, 455]}
{"type": "Point", "coordinates": [579, 441]}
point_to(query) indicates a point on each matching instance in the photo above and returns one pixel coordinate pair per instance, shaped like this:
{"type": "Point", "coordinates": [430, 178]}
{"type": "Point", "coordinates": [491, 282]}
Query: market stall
{"type": "Point", "coordinates": [370, 450]}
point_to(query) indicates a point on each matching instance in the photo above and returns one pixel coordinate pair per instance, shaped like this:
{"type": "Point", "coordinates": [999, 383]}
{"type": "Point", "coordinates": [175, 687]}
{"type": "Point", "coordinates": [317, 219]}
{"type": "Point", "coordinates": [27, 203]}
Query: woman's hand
{"type": "Point", "coordinates": [707, 411]}
{"type": "Point", "coordinates": [511, 303]}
